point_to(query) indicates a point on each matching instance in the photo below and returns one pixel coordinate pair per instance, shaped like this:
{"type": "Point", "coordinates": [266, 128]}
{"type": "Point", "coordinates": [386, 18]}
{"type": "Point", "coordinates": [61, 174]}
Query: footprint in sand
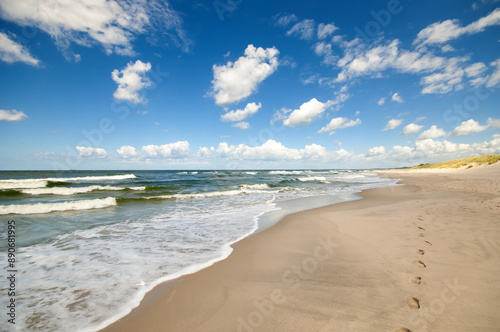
{"type": "Point", "coordinates": [420, 252]}
{"type": "Point", "coordinates": [421, 264]}
{"type": "Point", "coordinates": [416, 280]}
{"type": "Point", "coordinates": [403, 329]}
{"type": "Point", "coordinates": [420, 218]}
{"type": "Point", "coordinates": [413, 303]}
{"type": "Point", "coordinates": [421, 228]}
{"type": "Point", "coordinates": [428, 243]}
{"type": "Point", "coordinates": [421, 234]}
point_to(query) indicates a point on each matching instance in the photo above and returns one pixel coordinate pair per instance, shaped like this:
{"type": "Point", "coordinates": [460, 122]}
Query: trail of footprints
{"type": "Point", "coordinates": [413, 302]}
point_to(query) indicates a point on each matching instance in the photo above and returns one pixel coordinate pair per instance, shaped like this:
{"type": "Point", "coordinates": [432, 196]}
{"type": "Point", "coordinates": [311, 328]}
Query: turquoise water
{"type": "Point", "coordinates": [90, 244]}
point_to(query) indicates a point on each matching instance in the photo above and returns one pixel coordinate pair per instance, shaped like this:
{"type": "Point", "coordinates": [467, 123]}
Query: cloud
{"type": "Point", "coordinates": [495, 123]}
{"type": "Point", "coordinates": [325, 50]}
{"type": "Point", "coordinates": [12, 115]}
{"type": "Point", "coordinates": [468, 127]}
{"type": "Point", "coordinates": [412, 128]}
{"type": "Point", "coordinates": [284, 19]}
{"type": "Point", "coordinates": [449, 79]}
{"type": "Point", "coordinates": [475, 69]}
{"type": "Point", "coordinates": [442, 32]}
{"type": "Point", "coordinates": [205, 152]}
{"type": "Point", "coordinates": [376, 151]}
{"type": "Point", "coordinates": [273, 150]}
{"type": "Point", "coordinates": [11, 52]}
{"type": "Point", "coordinates": [442, 74]}
{"type": "Point", "coordinates": [381, 101]}
{"type": "Point", "coordinates": [427, 149]}
{"type": "Point", "coordinates": [393, 123]}
{"type": "Point", "coordinates": [310, 110]}
{"type": "Point", "coordinates": [127, 151]}
{"type": "Point", "coordinates": [306, 113]}
{"type": "Point", "coordinates": [494, 79]}
{"type": "Point", "coordinates": [131, 80]}
{"type": "Point", "coordinates": [235, 81]}
{"type": "Point", "coordinates": [397, 98]}
{"type": "Point", "coordinates": [239, 115]}
{"type": "Point", "coordinates": [242, 125]}
{"type": "Point", "coordinates": [171, 150]}
{"type": "Point", "coordinates": [432, 132]}
{"type": "Point", "coordinates": [326, 30]}
{"type": "Point", "coordinates": [304, 29]}
{"type": "Point", "coordinates": [112, 24]}
{"type": "Point", "coordinates": [430, 147]}
{"type": "Point", "coordinates": [339, 123]}
{"type": "Point", "coordinates": [447, 48]}
{"type": "Point", "coordinates": [91, 152]}
{"type": "Point", "coordinates": [361, 60]}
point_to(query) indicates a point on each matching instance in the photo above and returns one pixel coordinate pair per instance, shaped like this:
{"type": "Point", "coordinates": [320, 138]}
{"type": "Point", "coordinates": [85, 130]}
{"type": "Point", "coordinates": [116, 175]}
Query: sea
{"type": "Point", "coordinates": [90, 244]}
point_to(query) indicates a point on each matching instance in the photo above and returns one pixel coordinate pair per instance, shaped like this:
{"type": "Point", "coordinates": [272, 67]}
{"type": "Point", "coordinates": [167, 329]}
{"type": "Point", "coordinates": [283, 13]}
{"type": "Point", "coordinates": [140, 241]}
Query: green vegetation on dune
{"type": "Point", "coordinates": [464, 162]}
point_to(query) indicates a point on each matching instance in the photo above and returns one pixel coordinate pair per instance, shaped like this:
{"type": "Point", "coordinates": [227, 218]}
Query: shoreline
{"type": "Point", "coordinates": [264, 221]}
{"type": "Point", "coordinates": [352, 270]}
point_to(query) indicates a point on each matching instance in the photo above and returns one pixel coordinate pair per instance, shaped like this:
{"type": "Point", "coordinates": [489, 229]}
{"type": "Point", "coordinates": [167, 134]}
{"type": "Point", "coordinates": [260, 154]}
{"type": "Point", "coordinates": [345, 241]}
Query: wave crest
{"type": "Point", "coordinates": [313, 178]}
{"type": "Point", "coordinates": [74, 190]}
{"type": "Point", "coordinates": [87, 204]}
{"type": "Point", "coordinates": [41, 183]}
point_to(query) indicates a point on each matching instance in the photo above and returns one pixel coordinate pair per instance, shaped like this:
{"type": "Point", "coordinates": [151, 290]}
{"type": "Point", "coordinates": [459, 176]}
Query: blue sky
{"type": "Point", "coordinates": [247, 84]}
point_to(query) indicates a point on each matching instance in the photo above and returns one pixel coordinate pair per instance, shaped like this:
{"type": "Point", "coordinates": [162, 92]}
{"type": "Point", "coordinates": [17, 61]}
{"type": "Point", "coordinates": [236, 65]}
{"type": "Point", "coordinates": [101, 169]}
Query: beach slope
{"type": "Point", "coordinates": [423, 256]}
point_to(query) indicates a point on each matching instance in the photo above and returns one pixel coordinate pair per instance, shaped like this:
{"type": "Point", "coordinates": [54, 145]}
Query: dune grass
{"type": "Point", "coordinates": [464, 162]}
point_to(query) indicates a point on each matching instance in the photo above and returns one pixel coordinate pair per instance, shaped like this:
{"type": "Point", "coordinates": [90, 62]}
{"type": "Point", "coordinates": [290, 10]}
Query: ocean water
{"type": "Point", "coordinates": [90, 244]}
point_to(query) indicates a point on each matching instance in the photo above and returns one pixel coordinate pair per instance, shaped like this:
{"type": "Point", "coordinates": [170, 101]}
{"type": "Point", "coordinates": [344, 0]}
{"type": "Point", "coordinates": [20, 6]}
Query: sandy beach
{"type": "Point", "coordinates": [424, 256]}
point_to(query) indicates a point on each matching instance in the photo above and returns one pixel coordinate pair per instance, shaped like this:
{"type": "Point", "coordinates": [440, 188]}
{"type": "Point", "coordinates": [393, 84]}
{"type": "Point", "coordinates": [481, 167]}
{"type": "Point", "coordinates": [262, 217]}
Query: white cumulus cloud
{"type": "Point", "coordinates": [12, 115]}
{"type": "Point", "coordinates": [339, 123]}
{"type": "Point", "coordinates": [412, 128]}
{"type": "Point", "coordinates": [468, 127]}
{"type": "Point", "coordinates": [131, 80]}
{"type": "Point", "coordinates": [432, 132]}
{"type": "Point", "coordinates": [242, 125]}
{"type": "Point", "coordinates": [11, 52]}
{"type": "Point", "coordinates": [393, 123]}
{"type": "Point", "coordinates": [235, 81]}
{"type": "Point", "coordinates": [205, 152]}
{"type": "Point", "coordinates": [86, 151]}
{"type": "Point", "coordinates": [127, 151]}
{"type": "Point", "coordinates": [381, 101]}
{"type": "Point", "coordinates": [273, 150]}
{"type": "Point", "coordinates": [306, 113]}
{"type": "Point", "coordinates": [397, 98]}
{"type": "Point", "coordinates": [376, 151]}
{"type": "Point", "coordinates": [178, 149]}
{"type": "Point", "coordinates": [495, 123]}
{"type": "Point", "coordinates": [239, 115]}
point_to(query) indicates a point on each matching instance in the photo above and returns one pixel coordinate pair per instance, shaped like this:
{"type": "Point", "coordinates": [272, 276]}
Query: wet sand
{"type": "Point", "coordinates": [423, 256]}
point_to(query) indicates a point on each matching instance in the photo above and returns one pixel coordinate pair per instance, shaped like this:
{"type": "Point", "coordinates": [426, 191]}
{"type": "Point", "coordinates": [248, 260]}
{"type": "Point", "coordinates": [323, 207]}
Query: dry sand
{"type": "Point", "coordinates": [424, 256]}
